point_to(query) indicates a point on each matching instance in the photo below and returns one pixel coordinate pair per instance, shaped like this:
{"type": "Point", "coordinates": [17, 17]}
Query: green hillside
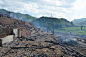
{"type": "Point", "coordinates": [42, 22]}
{"type": "Point", "coordinates": [3, 11]}
{"type": "Point", "coordinates": [24, 17]}
{"type": "Point", "coordinates": [19, 16]}
{"type": "Point", "coordinates": [57, 23]}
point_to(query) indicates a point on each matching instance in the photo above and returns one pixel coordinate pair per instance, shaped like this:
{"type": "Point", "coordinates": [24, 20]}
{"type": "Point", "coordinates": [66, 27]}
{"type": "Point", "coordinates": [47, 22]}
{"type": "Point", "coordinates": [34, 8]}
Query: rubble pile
{"type": "Point", "coordinates": [37, 46]}
{"type": "Point", "coordinates": [8, 21]}
{"type": "Point", "coordinates": [3, 32]}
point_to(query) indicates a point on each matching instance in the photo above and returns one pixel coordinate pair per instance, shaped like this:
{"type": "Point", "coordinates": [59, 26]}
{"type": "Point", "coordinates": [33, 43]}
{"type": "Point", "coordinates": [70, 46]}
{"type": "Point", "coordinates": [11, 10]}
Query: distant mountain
{"type": "Point", "coordinates": [4, 11]}
{"type": "Point", "coordinates": [19, 16]}
{"type": "Point", "coordinates": [80, 22]}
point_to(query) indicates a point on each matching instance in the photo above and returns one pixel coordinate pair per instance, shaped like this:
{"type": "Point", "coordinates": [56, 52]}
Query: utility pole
{"type": "Point", "coordinates": [51, 15]}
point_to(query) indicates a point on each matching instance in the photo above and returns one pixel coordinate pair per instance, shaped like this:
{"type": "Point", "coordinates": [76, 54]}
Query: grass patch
{"type": "Point", "coordinates": [76, 30]}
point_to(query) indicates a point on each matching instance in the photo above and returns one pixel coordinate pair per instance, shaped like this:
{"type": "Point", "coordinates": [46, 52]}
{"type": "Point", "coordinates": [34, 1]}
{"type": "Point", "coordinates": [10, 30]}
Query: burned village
{"type": "Point", "coordinates": [22, 39]}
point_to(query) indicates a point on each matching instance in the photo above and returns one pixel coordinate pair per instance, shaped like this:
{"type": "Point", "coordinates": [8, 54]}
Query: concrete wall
{"type": "Point", "coordinates": [17, 32]}
{"type": "Point", "coordinates": [7, 39]}
{"type": "Point", "coordinates": [10, 38]}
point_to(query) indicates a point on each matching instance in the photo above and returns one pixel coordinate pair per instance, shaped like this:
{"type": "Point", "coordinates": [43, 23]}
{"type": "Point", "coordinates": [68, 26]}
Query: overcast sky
{"type": "Point", "coordinates": [69, 9]}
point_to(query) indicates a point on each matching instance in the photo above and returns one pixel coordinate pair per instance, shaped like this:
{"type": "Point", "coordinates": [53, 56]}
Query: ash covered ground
{"type": "Point", "coordinates": [41, 44]}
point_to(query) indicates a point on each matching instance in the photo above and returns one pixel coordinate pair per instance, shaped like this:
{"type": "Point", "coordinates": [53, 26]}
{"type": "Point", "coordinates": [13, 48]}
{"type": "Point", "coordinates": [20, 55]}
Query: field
{"type": "Point", "coordinates": [76, 30]}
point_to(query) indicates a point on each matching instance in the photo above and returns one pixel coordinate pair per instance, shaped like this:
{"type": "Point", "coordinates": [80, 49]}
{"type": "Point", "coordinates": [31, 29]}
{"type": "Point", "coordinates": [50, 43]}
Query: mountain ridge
{"type": "Point", "coordinates": [19, 16]}
{"type": "Point", "coordinates": [61, 22]}
{"type": "Point", "coordinates": [79, 22]}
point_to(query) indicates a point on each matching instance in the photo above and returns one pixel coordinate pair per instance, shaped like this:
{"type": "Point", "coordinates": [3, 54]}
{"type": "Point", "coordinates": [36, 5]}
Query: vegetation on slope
{"type": "Point", "coordinates": [42, 22]}
{"type": "Point", "coordinates": [76, 30]}
{"type": "Point", "coordinates": [57, 23]}
{"type": "Point", "coordinates": [19, 16]}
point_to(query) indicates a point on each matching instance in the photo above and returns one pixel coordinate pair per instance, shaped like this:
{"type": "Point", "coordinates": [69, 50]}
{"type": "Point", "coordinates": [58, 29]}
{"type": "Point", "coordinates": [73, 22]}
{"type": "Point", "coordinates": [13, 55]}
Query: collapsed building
{"type": "Point", "coordinates": [8, 35]}
{"type": "Point", "coordinates": [8, 14]}
{"type": "Point", "coordinates": [12, 28]}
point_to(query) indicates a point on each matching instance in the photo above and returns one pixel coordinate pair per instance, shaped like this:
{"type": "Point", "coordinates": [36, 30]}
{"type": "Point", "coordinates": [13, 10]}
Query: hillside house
{"type": "Point", "coordinates": [7, 14]}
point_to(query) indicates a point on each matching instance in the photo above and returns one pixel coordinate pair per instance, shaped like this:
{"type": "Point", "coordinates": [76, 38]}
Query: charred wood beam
{"type": "Point", "coordinates": [31, 39]}
{"type": "Point", "coordinates": [25, 38]}
{"type": "Point", "coordinates": [6, 52]}
{"type": "Point", "coordinates": [53, 42]}
{"type": "Point", "coordinates": [18, 47]}
{"type": "Point", "coordinates": [36, 47]}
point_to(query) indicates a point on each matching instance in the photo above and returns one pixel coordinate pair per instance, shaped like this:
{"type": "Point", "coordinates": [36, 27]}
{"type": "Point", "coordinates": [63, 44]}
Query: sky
{"type": "Point", "coordinates": [68, 9]}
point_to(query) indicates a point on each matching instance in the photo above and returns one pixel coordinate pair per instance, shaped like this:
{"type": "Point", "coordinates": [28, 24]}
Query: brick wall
{"type": "Point", "coordinates": [26, 23]}
{"type": "Point", "coordinates": [25, 32]}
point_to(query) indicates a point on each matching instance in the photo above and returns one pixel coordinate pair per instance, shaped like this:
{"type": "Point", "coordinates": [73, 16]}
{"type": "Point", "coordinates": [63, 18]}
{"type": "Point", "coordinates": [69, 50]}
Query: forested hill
{"type": "Point", "coordinates": [57, 23]}
{"type": "Point", "coordinates": [19, 16]}
{"type": "Point", "coordinates": [41, 22]}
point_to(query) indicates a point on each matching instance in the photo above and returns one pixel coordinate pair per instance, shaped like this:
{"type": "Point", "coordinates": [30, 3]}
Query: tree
{"type": "Point", "coordinates": [81, 27]}
{"type": "Point", "coordinates": [52, 25]}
